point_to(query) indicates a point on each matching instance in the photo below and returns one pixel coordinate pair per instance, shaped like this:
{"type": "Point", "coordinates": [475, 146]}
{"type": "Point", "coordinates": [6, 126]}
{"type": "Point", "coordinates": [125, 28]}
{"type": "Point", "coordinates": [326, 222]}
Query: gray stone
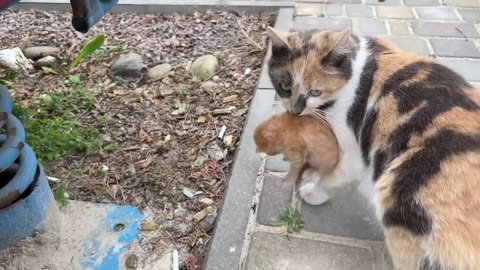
{"type": "Point", "coordinates": [333, 10]}
{"type": "Point", "coordinates": [277, 164]}
{"type": "Point", "coordinates": [14, 59]}
{"type": "Point", "coordinates": [400, 12]}
{"type": "Point", "coordinates": [159, 71]}
{"type": "Point", "coordinates": [359, 11]}
{"type": "Point", "coordinates": [455, 48]}
{"type": "Point", "coordinates": [284, 19]}
{"type": "Point", "coordinates": [308, 23]}
{"type": "Point", "coordinates": [385, 3]}
{"type": "Point", "coordinates": [226, 246]}
{"type": "Point", "coordinates": [46, 61]}
{"type": "Point", "coordinates": [436, 13]}
{"type": "Point", "coordinates": [467, 68]}
{"type": "Point", "coordinates": [422, 2]}
{"type": "Point", "coordinates": [276, 196]}
{"type": "Point", "coordinates": [277, 252]}
{"type": "Point", "coordinates": [128, 66]}
{"type": "Point", "coordinates": [441, 29]}
{"type": "Point", "coordinates": [309, 9]}
{"type": "Point", "coordinates": [411, 44]}
{"type": "Point", "coordinates": [371, 27]}
{"type": "Point", "coordinates": [462, 3]}
{"type": "Point", "coordinates": [204, 66]}
{"type": "Point", "coordinates": [41, 51]}
{"type": "Point", "coordinates": [399, 28]}
{"type": "Point", "coordinates": [472, 15]}
{"type": "Point", "coordinates": [347, 214]}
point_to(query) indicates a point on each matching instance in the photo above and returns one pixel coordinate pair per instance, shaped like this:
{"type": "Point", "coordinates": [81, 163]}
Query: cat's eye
{"type": "Point", "coordinates": [285, 86]}
{"type": "Point", "coordinates": [315, 92]}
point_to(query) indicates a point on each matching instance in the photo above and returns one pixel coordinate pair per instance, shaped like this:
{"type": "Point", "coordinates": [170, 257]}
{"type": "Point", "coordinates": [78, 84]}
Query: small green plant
{"type": "Point", "coordinates": [106, 52]}
{"type": "Point", "coordinates": [60, 196]}
{"type": "Point", "coordinates": [292, 218]}
{"type": "Point", "coordinates": [220, 56]}
{"type": "Point", "coordinates": [52, 128]}
{"type": "Point", "coordinates": [87, 50]}
{"type": "Point", "coordinates": [49, 70]}
{"type": "Point", "coordinates": [183, 91]}
{"type": "Point", "coordinates": [73, 80]}
{"type": "Point", "coordinates": [9, 79]}
{"type": "Point", "coordinates": [110, 147]}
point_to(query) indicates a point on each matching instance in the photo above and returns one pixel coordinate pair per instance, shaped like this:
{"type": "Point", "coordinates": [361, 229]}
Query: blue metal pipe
{"type": "Point", "coordinates": [5, 104]}
{"type": "Point", "coordinates": [87, 12]}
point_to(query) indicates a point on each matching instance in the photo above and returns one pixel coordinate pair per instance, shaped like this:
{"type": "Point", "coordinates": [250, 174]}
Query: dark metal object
{"type": "Point", "coordinates": [87, 12]}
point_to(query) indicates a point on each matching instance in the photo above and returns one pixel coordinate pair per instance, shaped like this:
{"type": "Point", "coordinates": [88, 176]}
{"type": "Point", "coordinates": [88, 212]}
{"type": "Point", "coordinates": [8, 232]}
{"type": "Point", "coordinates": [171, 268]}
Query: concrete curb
{"type": "Point", "coordinates": [225, 251]}
{"type": "Point", "coordinates": [167, 6]}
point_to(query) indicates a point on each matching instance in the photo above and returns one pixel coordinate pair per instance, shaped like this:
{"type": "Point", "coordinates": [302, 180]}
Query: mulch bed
{"type": "Point", "coordinates": [162, 156]}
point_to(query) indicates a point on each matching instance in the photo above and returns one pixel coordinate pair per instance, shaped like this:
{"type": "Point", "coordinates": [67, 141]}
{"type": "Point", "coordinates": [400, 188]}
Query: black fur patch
{"type": "Point", "coordinates": [427, 265]}
{"type": "Point", "coordinates": [375, 47]}
{"type": "Point", "coordinates": [416, 172]}
{"type": "Point", "coordinates": [327, 105]}
{"type": "Point", "coordinates": [379, 160]}
{"type": "Point", "coordinates": [366, 134]}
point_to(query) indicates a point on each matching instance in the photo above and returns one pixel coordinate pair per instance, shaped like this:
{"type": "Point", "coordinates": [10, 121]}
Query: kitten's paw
{"type": "Point", "coordinates": [313, 194]}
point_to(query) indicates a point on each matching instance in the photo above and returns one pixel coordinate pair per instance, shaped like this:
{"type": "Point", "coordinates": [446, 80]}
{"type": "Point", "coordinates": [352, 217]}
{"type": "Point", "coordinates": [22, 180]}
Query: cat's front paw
{"type": "Point", "coordinates": [313, 194]}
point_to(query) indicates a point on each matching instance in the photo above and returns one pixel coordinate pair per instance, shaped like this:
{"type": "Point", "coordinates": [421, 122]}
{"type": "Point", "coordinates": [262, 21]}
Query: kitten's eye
{"type": "Point", "coordinates": [285, 86]}
{"type": "Point", "coordinates": [315, 92]}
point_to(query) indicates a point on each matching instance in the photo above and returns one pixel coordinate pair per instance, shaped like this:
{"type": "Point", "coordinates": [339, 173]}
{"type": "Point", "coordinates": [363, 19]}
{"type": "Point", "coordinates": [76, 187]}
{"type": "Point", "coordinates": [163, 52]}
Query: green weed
{"type": "Point", "coordinates": [60, 196]}
{"type": "Point", "coordinates": [292, 218]}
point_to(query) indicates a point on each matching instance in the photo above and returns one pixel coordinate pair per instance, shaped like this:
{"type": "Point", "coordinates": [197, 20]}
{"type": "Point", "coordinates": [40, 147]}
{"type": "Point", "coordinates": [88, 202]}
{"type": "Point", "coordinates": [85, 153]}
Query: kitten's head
{"type": "Point", "coordinates": [268, 137]}
{"type": "Point", "coordinates": [308, 69]}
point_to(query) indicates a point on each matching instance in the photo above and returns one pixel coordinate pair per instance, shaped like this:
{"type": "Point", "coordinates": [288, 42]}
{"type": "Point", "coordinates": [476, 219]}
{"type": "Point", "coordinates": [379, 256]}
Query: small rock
{"type": "Point", "coordinates": [132, 261]}
{"type": "Point", "coordinates": [41, 51]}
{"type": "Point", "coordinates": [148, 227]}
{"type": "Point", "coordinates": [128, 66]}
{"type": "Point", "coordinates": [159, 71]}
{"type": "Point", "coordinates": [228, 140]}
{"type": "Point", "coordinates": [215, 152]}
{"type": "Point", "coordinates": [206, 201]}
{"type": "Point", "coordinates": [207, 223]}
{"type": "Point", "coordinates": [209, 85]}
{"type": "Point", "coordinates": [205, 66]}
{"type": "Point", "coordinates": [14, 59]}
{"type": "Point", "coordinates": [201, 120]}
{"type": "Point", "coordinates": [46, 61]}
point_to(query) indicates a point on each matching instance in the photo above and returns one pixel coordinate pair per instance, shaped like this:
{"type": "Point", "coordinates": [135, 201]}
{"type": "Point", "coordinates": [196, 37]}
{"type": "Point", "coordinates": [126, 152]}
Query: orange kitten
{"type": "Point", "coordinates": [305, 141]}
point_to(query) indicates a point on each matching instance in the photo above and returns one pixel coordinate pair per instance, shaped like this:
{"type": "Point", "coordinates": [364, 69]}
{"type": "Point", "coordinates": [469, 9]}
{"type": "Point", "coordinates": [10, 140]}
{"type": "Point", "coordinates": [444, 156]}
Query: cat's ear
{"type": "Point", "coordinates": [339, 51]}
{"type": "Point", "coordinates": [278, 40]}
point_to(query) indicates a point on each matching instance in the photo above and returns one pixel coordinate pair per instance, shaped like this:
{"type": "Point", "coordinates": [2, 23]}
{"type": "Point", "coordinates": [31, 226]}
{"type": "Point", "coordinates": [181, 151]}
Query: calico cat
{"type": "Point", "coordinates": [406, 125]}
{"type": "Point", "coordinates": [305, 141]}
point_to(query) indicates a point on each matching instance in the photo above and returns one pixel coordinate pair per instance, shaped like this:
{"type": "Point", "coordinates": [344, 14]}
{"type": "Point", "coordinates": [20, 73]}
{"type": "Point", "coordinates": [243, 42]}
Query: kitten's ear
{"type": "Point", "coordinates": [278, 40]}
{"type": "Point", "coordinates": [339, 52]}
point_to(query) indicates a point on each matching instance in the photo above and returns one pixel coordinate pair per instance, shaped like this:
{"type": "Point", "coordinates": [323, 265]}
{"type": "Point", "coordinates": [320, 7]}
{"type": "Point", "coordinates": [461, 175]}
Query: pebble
{"type": "Point", "coordinates": [38, 52]}
{"type": "Point", "coordinates": [128, 66]}
{"type": "Point", "coordinates": [204, 66]}
{"type": "Point", "coordinates": [46, 61]}
{"type": "Point", "coordinates": [132, 261]}
{"type": "Point", "coordinates": [159, 71]}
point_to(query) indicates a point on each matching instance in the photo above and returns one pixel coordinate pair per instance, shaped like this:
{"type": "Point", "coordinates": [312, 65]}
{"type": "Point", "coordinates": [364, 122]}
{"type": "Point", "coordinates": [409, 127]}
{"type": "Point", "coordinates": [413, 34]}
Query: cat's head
{"type": "Point", "coordinates": [308, 69]}
{"type": "Point", "coordinates": [268, 137]}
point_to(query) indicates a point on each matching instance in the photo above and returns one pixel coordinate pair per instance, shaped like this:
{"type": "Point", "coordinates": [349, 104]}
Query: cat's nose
{"type": "Point", "coordinates": [299, 105]}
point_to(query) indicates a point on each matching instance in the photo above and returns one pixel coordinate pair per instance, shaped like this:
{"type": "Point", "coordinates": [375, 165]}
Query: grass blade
{"type": "Point", "coordinates": [88, 49]}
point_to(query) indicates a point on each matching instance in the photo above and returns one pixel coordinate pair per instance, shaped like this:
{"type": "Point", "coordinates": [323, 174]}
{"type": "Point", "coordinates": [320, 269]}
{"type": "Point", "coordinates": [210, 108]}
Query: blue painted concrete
{"type": "Point", "coordinates": [87, 12]}
{"type": "Point", "coordinates": [102, 253]}
{"type": "Point", "coordinates": [27, 215]}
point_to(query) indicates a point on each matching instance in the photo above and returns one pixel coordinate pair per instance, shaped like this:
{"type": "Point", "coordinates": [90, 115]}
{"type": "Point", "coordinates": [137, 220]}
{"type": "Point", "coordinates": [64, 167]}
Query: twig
{"type": "Point", "coordinates": [461, 32]}
{"type": "Point", "coordinates": [248, 37]}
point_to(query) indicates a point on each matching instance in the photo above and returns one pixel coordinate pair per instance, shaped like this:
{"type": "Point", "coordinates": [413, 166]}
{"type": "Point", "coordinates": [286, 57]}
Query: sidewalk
{"type": "Point", "coordinates": [342, 234]}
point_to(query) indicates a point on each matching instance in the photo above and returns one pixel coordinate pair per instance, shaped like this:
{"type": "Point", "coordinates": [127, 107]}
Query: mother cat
{"type": "Point", "coordinates": [405, 124]}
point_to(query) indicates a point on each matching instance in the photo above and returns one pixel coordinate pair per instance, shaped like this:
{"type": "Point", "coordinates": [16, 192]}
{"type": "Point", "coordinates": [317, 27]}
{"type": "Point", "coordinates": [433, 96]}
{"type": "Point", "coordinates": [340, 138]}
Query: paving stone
{"type": "Point", "coordinates": [277, 164]}
{"type": "Point", "coordinates": [276, 196]}
{"type": "Point", "coordinates": [347, 214]}
{"type": "Point", "coordinates": [422, 2]}
{"type": "Point", "coordinates": [309, 9]}
{"type": "Point", "coordinates": [439, 29]}
{"type": "Point", "coordinates": [472, 15]}
{"type": "Point", "coordinates": [371, 27]}
{"type": "Point", "coordinates": [333, 10]}
{"type": "Point", "coordinates": [277, 252]}
{"type": "Point", "coordinates": [308, 23]}
{"type": "Point", "coordinates": [462, 3]}
{"type": "Point", "coordinates": [455, 48]}
{"type": "Point", "coordinates": [467, 68]}
{"type": "Point", "coordinates": [265, 82]}
{"type": "Point", "coordinates": [385, 3]}
{"type": "Point", "coordinates": [399, 28]}
{"type": "Point", "coordinates": [436, 13]}
{"type": "Point", "coordinates": [359, 11]}
{"type": "Point", "coordinates": [411, 44]}
{"type": "Point", "coordinates": [342, 1]}
{"type": "Point", "coordinates": [400, 12]}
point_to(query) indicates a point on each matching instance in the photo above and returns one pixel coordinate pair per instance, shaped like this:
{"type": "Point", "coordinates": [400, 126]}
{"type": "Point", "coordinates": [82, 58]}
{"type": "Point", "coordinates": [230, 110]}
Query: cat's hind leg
{"type": "Point", "coordinates": [405, 249]}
